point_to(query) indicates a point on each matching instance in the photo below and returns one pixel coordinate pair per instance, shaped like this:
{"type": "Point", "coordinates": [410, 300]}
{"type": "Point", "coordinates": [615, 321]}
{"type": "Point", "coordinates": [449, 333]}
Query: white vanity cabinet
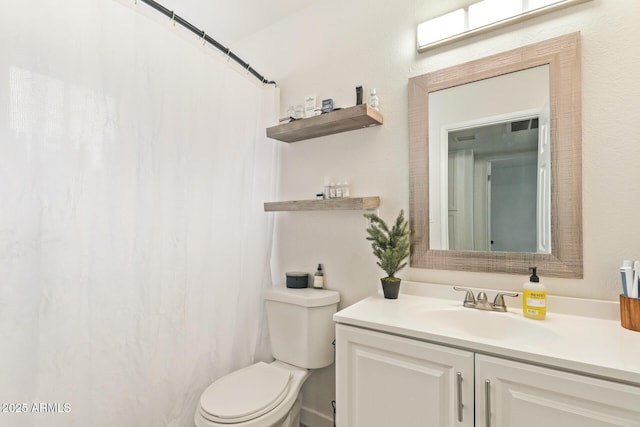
{"type": "Point", "coordinates": [425, 360]}
{"type": "Point", "coordinates": [385, 380]}
{"type": "Point", "coordinates": [524, 395]}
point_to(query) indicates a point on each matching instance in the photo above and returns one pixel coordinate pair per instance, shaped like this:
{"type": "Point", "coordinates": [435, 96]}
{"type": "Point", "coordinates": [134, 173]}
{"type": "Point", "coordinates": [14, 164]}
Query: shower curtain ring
{"type": "Point", "coordinates": [248, 66]}
{"type": "Point", "coordinates": [173, 18]}
{"type": "Point", "coordinates": [228, 54]}
{"type": "Point", "coordinates": [204, 38]}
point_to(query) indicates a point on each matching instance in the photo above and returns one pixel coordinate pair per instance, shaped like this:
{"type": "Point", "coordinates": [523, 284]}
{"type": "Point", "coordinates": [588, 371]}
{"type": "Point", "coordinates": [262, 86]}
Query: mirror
{"type": "Point", "coordinates": [440, 241]}
{"type": "Point", "coordinates": [488, 163]}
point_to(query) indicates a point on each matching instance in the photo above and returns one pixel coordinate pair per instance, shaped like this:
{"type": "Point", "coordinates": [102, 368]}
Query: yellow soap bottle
{"type": "Point", "coordinates": [534, 298]}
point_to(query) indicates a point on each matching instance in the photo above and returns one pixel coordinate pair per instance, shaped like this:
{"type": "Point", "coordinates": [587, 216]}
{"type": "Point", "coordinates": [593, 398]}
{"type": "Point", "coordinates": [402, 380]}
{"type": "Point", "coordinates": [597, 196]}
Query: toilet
{"type": "Point", "coordinates": [267, 394]}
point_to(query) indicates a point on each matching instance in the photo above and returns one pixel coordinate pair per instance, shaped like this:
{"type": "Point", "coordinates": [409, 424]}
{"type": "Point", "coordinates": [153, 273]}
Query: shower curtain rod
{"type": "Point", "coordinates": [203, 35]}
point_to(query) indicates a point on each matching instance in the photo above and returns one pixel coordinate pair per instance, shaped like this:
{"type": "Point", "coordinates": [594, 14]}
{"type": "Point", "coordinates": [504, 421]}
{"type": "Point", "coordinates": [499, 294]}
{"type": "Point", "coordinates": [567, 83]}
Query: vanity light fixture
{"type": "Point", "coordinates": [481, 17]}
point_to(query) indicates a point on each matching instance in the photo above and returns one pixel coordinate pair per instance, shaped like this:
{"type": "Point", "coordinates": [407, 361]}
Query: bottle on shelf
{"type": "Point", "coordinates": [346, 191]}
{"type": "Point", "coordinates": [332, 190]}
{"type": "Point", "coordinates": [374, 102]}
{"type": "Point", "coordinates": [326, 191]}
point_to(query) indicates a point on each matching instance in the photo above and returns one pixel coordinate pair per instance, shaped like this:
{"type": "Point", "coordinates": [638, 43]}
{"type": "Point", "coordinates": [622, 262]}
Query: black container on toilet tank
{"type": "Point", "coordinates": [297, 280]}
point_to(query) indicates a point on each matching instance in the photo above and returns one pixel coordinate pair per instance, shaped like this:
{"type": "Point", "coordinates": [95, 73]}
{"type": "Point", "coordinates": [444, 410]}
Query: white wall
{"type": "Point", "coordinates": [334, 46]}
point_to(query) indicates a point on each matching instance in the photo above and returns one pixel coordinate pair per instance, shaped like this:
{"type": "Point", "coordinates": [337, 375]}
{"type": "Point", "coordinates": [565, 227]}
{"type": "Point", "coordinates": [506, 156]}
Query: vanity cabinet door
{"type": "Point", "coordinates": [383, 380]}
{"type": "Point", "coordinates": [525, 395]}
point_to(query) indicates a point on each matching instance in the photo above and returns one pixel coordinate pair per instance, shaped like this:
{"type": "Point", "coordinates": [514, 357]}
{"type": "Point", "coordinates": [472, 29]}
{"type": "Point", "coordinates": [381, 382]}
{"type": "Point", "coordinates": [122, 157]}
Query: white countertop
{"type": "Point", "coordinates": [597, 346]}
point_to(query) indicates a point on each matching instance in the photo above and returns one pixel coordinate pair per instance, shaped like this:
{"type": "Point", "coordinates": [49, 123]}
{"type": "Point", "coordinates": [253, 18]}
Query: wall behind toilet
{"type": "Point", "coordinates": [334, 46]}
{"type": "Point", "coordinates": [133, 244]}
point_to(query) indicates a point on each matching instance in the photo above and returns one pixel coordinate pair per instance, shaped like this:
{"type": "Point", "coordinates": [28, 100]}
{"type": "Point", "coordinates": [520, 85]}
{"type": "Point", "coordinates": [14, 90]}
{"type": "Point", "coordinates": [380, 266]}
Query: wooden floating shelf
{"type": "Point", "coordinates": [347, 119]}
{"type": "Point", "coordinates": [347, 203]}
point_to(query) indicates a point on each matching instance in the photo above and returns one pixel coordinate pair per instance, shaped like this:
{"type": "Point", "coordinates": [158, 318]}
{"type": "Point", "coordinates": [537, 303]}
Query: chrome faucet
{"type": "Point", "coordinates": [482, 303]}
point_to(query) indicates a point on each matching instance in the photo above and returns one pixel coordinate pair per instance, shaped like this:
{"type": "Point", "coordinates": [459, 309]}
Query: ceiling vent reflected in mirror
{"type": "Point", "coordinates": [466, 138]}
{"type": "Point", "coordinates": [523, 125]}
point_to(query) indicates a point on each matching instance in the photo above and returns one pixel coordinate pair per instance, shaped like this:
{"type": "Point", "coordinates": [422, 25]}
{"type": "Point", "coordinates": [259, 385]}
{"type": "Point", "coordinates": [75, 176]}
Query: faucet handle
{"type": "Point", "coordinates": [482, 297]}
{"type": "Point", "coordinates": [498, 302]}
{"type": "Point", "coordinates": [469, 298]}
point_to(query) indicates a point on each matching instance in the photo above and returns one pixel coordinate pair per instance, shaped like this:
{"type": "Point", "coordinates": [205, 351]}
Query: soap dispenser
{"type": "Point", "coordinates": [534, 298]}
{"type": "Point", "coordinates": [318, 278]}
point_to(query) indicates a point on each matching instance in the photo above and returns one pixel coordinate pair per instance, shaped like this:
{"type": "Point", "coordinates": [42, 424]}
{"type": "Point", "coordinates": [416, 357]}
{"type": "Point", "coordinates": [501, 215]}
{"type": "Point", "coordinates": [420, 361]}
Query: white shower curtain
{"type": "Point", "coordinates": [133, 245]}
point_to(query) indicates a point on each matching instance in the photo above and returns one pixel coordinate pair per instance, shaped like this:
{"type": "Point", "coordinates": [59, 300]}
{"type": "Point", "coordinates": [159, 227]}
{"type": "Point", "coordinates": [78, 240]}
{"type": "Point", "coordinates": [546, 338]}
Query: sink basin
{"type": "Point", "coordinates": [486, 324]}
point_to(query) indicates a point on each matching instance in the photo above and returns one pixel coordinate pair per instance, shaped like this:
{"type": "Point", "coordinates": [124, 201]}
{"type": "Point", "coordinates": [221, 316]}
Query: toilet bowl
{"type": "Point", "coordinates": [260, 395]}
{"type": "Point", "coordinates": [268, 394]}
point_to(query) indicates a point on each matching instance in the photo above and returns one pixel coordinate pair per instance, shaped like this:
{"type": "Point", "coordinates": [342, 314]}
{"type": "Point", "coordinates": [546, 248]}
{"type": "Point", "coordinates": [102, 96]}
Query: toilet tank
{"type": "Point", "coordinates": [301, 325]}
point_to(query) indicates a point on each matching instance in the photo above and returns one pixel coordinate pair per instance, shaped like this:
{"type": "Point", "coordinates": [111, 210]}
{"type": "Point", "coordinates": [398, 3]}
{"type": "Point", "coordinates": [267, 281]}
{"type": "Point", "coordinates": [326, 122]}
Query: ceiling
{"type": "Point", "coordinates": [274, 35]}
{"type": "Point", "coordinates": [230, 21]}
{"type": "Point", "coordinates": [244, 26]}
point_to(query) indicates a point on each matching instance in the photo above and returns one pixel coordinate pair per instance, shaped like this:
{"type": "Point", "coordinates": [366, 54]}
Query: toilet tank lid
{"type": "Point", "coordinates": [305, 297]}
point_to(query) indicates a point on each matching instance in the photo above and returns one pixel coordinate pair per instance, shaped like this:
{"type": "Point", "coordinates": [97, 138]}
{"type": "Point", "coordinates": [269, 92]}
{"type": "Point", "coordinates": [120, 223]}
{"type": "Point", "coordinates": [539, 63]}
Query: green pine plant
{"type": "Point", "coordinates": [390, 245]}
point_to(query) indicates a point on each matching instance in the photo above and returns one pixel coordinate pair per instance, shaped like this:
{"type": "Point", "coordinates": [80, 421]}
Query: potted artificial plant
{"type": "Point", "coordinates": [391, 247]}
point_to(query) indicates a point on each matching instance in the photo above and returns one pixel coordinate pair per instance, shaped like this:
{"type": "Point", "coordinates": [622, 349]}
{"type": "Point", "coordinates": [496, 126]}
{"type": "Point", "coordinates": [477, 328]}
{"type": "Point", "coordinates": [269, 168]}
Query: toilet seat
{"type": "Point", "coordinates": [245, 394]}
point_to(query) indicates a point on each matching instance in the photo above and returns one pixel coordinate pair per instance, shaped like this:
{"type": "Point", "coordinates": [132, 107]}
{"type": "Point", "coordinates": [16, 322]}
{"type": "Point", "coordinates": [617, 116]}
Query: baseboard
{"type": "Point", "coordinates": [312, 418]}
